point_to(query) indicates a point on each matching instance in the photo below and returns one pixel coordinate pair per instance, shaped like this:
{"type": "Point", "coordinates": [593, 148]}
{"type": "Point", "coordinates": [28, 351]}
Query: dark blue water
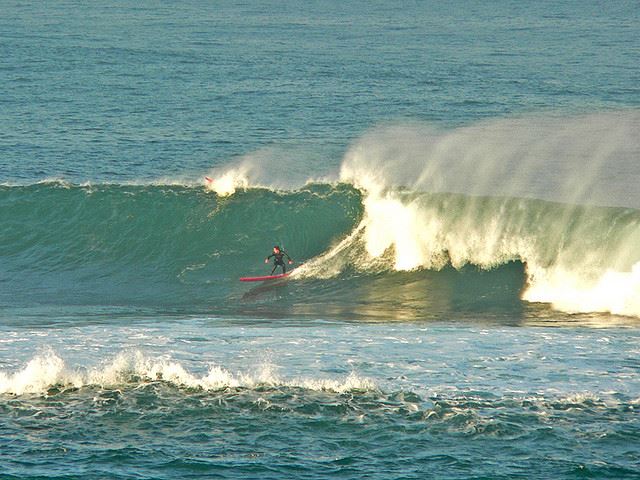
{"type": "Point", "coordinates": [458, 181]}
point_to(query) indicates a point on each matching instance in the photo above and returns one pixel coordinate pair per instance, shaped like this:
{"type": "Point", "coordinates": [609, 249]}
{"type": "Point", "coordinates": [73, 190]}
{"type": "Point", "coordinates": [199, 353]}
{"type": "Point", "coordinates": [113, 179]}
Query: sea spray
{"type": "Point", "coordinates": [272, 168]}
{"type": "Point", "coordinates": [555, 158]}
{"type": "Point", "coordinates": [42, 372]}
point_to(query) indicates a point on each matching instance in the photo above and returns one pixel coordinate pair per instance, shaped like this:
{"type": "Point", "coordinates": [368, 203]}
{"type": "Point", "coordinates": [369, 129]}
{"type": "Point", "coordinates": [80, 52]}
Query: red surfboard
{"type": "Point", "coordinates": [264, 278]}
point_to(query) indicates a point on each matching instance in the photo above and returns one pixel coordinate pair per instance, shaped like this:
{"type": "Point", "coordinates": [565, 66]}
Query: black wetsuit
{"type": "Point", "coordinates": [279, 261]}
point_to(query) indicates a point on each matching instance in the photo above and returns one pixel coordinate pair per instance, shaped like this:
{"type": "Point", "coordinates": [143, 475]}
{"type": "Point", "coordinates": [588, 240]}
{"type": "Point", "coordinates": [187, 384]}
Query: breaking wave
{"type": "Point", "coordinates": [556, 196]}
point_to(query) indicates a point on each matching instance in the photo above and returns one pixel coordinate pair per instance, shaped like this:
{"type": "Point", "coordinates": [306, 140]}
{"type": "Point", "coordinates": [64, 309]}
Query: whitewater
{"type": "Point", "coordinates": [424, 206]}
{"type": "Point", "coordinates": [457, 186]}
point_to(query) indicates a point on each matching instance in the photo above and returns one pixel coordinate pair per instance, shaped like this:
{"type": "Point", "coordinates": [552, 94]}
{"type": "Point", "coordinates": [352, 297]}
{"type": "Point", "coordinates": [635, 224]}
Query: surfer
{"type": "Point", "coordinates": [278, 259]}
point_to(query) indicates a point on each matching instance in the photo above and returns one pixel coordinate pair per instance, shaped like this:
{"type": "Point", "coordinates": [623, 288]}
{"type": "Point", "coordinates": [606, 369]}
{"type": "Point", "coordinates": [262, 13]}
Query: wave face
{"type": "Point", "coordinates": [155, 245]}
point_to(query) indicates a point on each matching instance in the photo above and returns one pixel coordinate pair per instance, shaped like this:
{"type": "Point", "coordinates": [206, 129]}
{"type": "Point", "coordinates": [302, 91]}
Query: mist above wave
{"type": "Point", "coordinates": [588, 159]}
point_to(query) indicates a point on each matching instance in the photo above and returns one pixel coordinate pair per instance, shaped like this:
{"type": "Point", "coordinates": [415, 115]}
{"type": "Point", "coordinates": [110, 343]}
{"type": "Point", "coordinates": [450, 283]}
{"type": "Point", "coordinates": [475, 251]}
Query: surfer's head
{"type": "Point", "coordinates": [276, 249]}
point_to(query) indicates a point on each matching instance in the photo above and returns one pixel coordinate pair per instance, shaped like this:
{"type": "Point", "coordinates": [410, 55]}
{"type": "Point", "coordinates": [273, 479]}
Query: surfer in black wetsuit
{"type": "Point", "coordinates": [278, 259]}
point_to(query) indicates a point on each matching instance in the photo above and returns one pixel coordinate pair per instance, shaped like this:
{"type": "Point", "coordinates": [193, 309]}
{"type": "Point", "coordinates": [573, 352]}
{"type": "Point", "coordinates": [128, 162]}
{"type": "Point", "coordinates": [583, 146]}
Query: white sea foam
{"type": "Point", "coordinates": [580, 259]}
{"type": "Point", "coordinates": [226, 182]}
{"type": "Point", "coordinates": [48, 370]}
{"type": "Point", "coordinates": [39, 374]}
{"type": "Point", "coordinates": [612, 291]}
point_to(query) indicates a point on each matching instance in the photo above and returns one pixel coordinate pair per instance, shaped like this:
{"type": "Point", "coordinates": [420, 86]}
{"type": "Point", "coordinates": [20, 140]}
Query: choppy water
{"type": "Point", "coordinates": [458, 187]}
{"type": "Point", "coordinates": [176, 398]}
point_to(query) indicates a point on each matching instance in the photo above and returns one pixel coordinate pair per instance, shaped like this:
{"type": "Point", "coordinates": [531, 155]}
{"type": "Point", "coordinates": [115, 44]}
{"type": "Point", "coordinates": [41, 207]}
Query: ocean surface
{"type": "Point", "coordinates": [457, 183]}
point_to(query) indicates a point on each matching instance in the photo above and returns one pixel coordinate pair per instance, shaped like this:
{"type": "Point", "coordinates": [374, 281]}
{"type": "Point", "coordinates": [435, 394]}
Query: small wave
{"type": "Point", "coordinates": [48, 371]}
{"type": "Point", "coordinates": [270, 168]}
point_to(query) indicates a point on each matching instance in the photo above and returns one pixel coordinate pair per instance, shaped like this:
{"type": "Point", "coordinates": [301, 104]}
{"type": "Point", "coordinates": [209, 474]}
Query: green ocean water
{"type": "Point", "coordinates": [182, 249]}
{"type": "Point", "coordinates": [456, 183]}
